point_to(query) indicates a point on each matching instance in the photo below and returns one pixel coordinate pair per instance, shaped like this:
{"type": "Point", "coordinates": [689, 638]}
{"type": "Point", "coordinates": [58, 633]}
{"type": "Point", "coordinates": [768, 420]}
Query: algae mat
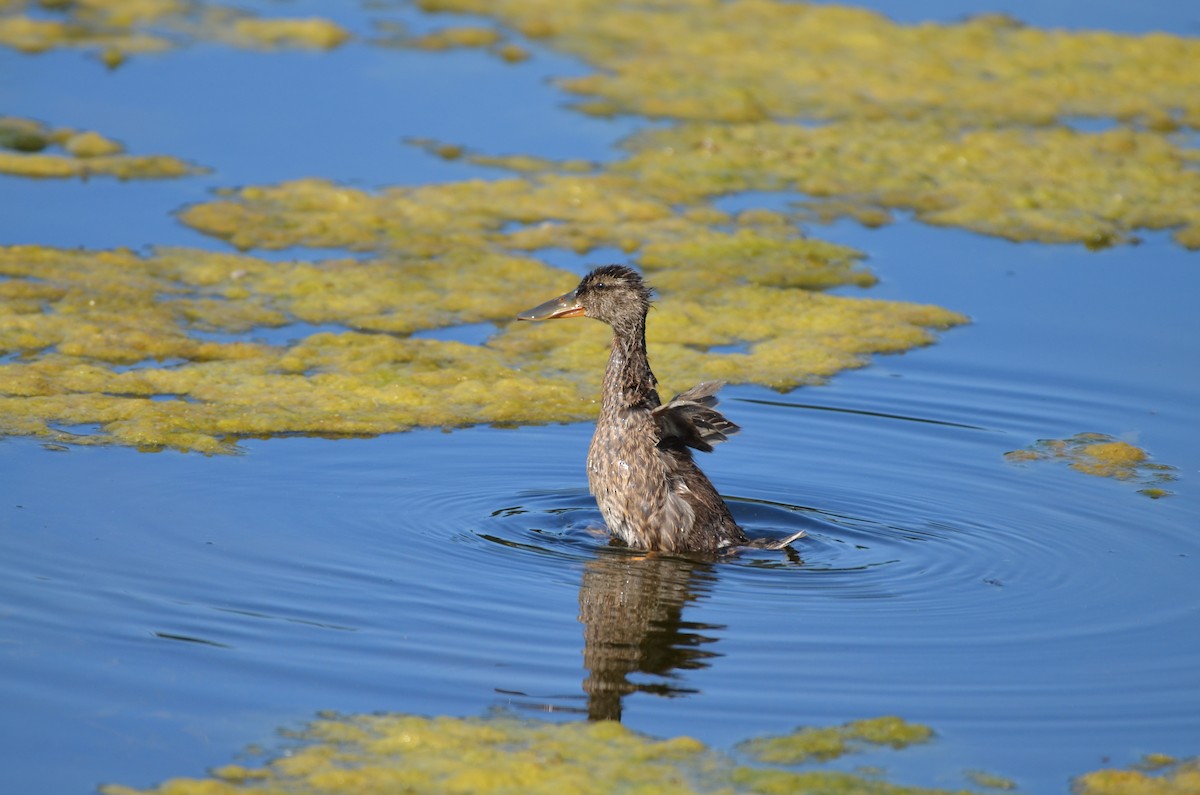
{"type": "Point", "coordinates": [30, 148]}
{"type": "Point", "coordinates": [503, 754]}
{"type": "Point", "coordinates": [124, 345]}
{"type": "Point", "coordinates": [961, 124]}
{"type": "Point", "coordinates": [965, 124]}
{"type": "Point", "coordinates": [117, 29]}
{"type": "Point", "coordinates": [1102, 456]}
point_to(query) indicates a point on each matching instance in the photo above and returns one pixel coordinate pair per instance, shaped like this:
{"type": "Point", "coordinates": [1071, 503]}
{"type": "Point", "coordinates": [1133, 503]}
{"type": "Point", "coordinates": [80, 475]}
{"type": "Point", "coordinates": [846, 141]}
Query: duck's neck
{"type": "Point", "coordinates": [628, 380]}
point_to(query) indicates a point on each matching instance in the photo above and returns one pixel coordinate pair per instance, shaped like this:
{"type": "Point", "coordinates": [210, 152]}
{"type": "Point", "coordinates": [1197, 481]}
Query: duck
{"type": "Point", "coordinates": [640, 465]}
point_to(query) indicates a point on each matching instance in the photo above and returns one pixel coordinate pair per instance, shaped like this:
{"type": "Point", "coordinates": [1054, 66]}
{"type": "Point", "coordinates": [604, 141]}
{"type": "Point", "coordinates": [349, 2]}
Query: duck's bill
{"type": "Point", "coordinates": [564, 306]}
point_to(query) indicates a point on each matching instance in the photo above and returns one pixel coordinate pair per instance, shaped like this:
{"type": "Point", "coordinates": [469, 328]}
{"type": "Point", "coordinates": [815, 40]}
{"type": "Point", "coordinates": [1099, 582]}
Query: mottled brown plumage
{"type": "Point", "coordinates": [640, 466]}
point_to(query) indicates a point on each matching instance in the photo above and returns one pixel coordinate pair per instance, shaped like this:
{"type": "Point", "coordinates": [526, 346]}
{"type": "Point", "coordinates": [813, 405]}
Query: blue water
{"type": "Point", "coordinates": [160, 612]}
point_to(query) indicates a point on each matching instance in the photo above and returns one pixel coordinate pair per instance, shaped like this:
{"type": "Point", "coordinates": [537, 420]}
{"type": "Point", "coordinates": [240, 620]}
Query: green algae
{"type": "Point", "coordinates": [116, 29]}
{"type": "Point", "coordinates": [528, 164]}
{"type": "Point", "coordinates": [479, 37]}
{"type": "Point", "coordinates": [982, 778]}
{"type": "Point", "coordinates": [824, 743]}
{"type": "Point", "coordinates": [962, 124]}
{"type": "Point", "coordinates": [1159, 776]}
{"type": "Point", "coordinates": [24, 135]}
{"type": "Point", "coordinates": [745, 282]}
{"type": "Point", "coordinates": [29, 148]}
{"type": "Point", "coordinates": [32, 35]}
{"type": "Point", "coordinates": [748, 60]}
{"type": "Point", "coordinates": [1101, 455]}
{"type": "Point", "coordinates": [452, 38]}
{"type": "Point", "coordinates": [725, 280]}
{"type": "Point", "coordinates": [501, 754]}
{"type": "Point", "coordinates": [445, 255]}
{"type": "Point", "coordinates": [822, 782]}
{"type": "Point", "coordinates": [124, 342]}
{"type": "Point", "coordinates": [1052, 185]}
{"type": "Point", "coordinates": [312, 33]}
{"type": "Point", "coordinates": [448, 39]}
{"type": "Point", "coordinates": [557, 205]}
{"type": "Point", "coordinates": [405, 753]}
{"type": "Point", "coordinates": [98, 335]}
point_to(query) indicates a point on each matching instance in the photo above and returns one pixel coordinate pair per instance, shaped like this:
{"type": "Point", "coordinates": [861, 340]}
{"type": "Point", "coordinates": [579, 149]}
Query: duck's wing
{"type": "Point", "coordinates": [690, 418]}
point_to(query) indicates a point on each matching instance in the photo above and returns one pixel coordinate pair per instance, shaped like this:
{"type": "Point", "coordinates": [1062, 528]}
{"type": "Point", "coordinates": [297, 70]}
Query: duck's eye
{"type": "Point", "coordinates": [600, 285]}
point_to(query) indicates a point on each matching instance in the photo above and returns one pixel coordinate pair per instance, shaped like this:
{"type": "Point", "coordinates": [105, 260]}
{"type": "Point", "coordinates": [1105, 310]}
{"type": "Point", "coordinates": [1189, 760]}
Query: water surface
{"type": "Point", "coordinates": [160, 612]}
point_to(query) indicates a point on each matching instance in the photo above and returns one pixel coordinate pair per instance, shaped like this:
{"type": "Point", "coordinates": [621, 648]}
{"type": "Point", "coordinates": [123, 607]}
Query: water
{"type": "Point", "coordinates": [159, 612]}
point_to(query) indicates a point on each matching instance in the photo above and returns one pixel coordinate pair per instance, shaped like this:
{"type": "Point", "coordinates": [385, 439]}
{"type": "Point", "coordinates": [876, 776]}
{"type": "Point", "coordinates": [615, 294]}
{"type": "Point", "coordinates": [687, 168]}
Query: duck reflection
{"type": "Point", "coordinates": [631, 608]}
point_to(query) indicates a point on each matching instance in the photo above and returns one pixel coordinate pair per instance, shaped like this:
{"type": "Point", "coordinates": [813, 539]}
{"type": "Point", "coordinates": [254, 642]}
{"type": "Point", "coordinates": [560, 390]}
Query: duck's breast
{"type": "Point", "coordinates": [632, 482]}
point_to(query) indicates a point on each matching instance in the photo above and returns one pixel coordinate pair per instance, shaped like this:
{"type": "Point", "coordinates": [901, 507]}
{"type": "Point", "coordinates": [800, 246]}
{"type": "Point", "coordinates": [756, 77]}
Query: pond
{"type": "Point", "coordinates": [161, 611]}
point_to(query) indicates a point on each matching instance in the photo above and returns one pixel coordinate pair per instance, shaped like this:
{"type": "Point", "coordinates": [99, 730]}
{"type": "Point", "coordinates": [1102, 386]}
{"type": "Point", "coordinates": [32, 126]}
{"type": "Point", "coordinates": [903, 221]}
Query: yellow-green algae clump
{"type": "Point", "coordinates": [736, 288]}
{"type": "Point", "coordinates": [746, 60]}
{"type": "Point", "coordinates": [393, 34]}
{"type": "Point", "coordinates": [393, 753]}
{"type": "Point", "coordinates": [118, 28]}
{"type": "Point", "coordinates": [829, 742]}
{"type": "Point", "coordinates": [1159, 776]}
{"type": "Point", "coordinates": [737, 304]}
{"type": "Point", "coordinates": [1053, 185]}
{"type": "Point", "coordinates": [982, 778]}
{"type": "Point", "coordinates": [28, 149]}
{"type": "Point", "coordinates": [405, 753]}
{"type": "Point", "coordinates": [1103, 456]}
{"type": "Point", "coordinates": [94, 337]}
{"type": "Point", "coordinates": [962, 123]}
{"type": "Point", "coordinates": [306, 33]}
{"type": "Point", "coordinates": [160, 350]}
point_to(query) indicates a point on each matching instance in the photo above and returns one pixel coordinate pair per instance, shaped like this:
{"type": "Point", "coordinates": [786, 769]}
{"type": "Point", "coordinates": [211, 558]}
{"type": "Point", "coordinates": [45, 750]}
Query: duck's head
{"type": "Point", "coordinates": [612, 293]}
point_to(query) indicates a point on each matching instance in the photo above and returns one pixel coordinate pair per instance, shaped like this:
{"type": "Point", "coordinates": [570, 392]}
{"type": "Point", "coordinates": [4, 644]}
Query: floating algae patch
{"type": "Point", "coordinates": [1103, 456]}
{"type": "Point", "coordinates": [79, 318]}
{"type": "Point", "coordinates": [991, 781]}
{"type": "Point", "coordinates": [775, 257]}
{"type": "Point", "coordinates": [34, 35]}
{"type": "Point", "coordinates": [312, 33]}
{"type": "Point", "coordinates": [426, 219]}
{"type": "Point", "coordinates": [744, 281]}
{"type": "Point", "coordinates": [29, 148]}
{"type": "Point", "coordinates": [94, 337]}
{"type": "Point", "coordinates": [119, 28]}
{"type": "Point", "coordinates": [824, 743]}
{"type": "Point", "coordinates": [724, 280]}
{"type": "Point", "coordinates": [748, 60]}
{"type": "Point", "coordinates": [693, 247]}
{"type": "Point", "coordinates": [517, 163]}
{"type": "Point", "coordinates": [964, 124]}
{"type": "Point", "coordinates": [502, 754]}
{"type": "Point", "coordinates": [456, 37]}
{"type": "Point", "coordinates": [1158, 776]}
{"type": "Point", "coordinates": [1053, 185]}
{"type": "Point", "coordinates": [396, 35]}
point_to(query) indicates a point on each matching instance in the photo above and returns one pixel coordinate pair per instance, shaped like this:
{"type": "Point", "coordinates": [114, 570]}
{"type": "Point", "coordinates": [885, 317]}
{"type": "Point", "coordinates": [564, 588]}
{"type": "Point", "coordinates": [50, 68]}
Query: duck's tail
{"type": "Point", "coordinates": [774, 543]}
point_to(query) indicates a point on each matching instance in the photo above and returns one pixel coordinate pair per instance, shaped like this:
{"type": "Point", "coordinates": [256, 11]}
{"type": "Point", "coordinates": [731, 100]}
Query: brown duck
{"type": "Point", "coordinates": [640, 467]}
